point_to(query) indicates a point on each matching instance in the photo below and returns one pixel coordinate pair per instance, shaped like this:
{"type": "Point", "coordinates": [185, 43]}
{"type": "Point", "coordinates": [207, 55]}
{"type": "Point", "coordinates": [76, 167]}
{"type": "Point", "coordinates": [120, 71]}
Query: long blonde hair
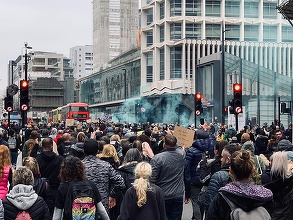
{"type": "Point", "coordinates": [4, 159]}
{"type": "Point", "coordinates": [109, 151]}
{"type": "Point", "coordinates": [143, 171]}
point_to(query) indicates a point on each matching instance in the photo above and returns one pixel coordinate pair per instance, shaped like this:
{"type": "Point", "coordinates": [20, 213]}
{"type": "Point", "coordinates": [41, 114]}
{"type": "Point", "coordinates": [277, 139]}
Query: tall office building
{"type": "Point", "coordinates": [115, 29]}
{"type": "Point", "coordinates": [81, 60]}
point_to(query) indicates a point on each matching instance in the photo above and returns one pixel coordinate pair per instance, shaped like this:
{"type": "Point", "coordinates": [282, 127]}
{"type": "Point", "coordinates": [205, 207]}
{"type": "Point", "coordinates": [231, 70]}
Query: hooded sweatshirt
{"type": "Point", "coordinates": [23, 198]}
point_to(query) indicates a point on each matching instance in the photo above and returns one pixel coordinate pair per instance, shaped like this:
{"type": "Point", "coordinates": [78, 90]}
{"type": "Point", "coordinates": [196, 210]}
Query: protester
{"type": "Point", "coordinates": [73, 172]}
{"type": "Point", "coordinates": [41, 185]}
{"type": "Point", "coordinates": [168, 174]}
{"type": "Point", "coordinates": [241, 192]}
{"type": "Point", "coordinates": [22, 198]}
{"type": "Point", "coordinates": [281, 185]}
{"type": "Point", "coordinates": [143, 200]}
{"type": "Point", "coordinates": [5, 170]}
{"type": "Point", "coordinates": [30, 144]}
{"type": "Point", "coordinates": [106, 178]}
{"type": "Point", "coordinates": [49, 164]}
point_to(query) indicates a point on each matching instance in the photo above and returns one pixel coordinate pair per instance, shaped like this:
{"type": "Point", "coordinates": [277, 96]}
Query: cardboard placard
{"type": "Point", "coordinates": [184, 136]}
{"type": "Point", "coordinates": [69, 122]}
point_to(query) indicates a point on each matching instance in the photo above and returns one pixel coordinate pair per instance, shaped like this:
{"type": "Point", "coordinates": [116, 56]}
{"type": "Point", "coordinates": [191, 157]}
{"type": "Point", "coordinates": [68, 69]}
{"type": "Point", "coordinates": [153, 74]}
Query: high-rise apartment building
{"type": "Point", "coordinates": [81, 60]}
{"type": "Point", "coordinates": [115, 29]}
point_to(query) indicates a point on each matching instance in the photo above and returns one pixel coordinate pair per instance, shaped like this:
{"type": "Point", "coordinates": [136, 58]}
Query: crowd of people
{"type": "Point", "coordinates": [121, 171]}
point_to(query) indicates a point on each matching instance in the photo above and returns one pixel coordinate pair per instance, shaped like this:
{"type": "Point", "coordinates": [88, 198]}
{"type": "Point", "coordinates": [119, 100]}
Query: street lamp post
{"type": "Point", "coordinates": [223, 72]}
{"type": "Point", "coordinates": [125, 90]}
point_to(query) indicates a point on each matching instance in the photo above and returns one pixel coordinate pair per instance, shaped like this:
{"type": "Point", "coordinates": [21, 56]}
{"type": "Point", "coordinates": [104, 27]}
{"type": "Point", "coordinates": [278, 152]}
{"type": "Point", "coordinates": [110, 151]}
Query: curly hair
{"type": "Point", "coordinates": [143, 172]}
{"type": "Point", "coordinates": [23, 175]}
{"type": "Point", "coordinates": [72, 169]}
{"type": "Point", "coordinates": [81, 137]}
{"type": "Point", "coordinates": [4, 158]}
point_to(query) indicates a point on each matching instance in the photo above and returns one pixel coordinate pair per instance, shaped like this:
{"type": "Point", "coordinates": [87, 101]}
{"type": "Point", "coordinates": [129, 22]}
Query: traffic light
{"type": "Point", "coordinates": [225, 110]}
{"type": "Point", "coordinates": [231, 107]}
{"type": "Point", "coordinates": [24, 96]}
{"type": "Point", "coordinates": [237, 91]}
{"type": "Point", "coordinates": [283, 108]}
{"type": "Point", "coordinates": [8, 103]}
{"type": "Point", "coordinates": [198, 103]}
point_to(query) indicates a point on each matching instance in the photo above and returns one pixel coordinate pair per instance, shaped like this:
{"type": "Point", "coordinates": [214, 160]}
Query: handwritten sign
{"type": "Point", "coordinates": [69, 122]}
{"type": "Point", "coordinates": [184, 136]}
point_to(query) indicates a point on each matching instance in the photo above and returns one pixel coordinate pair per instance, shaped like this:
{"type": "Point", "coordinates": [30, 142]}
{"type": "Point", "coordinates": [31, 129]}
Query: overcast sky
{"type": "Point", "coordinates": [53, 26]}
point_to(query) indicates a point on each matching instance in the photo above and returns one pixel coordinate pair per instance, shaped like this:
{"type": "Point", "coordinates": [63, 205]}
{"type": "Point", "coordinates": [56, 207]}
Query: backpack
{"type": "Point", "coordinates": [80, 203]}
{"type": "Point", "coordinates": [23, 215]}
{"type": "Point", "coordinates": [11, 143]}
{"type": "Point", "coordinates": [259, 213]}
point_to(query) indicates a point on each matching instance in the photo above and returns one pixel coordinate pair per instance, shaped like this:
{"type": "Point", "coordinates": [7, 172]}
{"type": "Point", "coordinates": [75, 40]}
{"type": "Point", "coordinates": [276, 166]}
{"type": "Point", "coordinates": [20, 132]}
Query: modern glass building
{"type": "Point", "coordinates": [181, 53]}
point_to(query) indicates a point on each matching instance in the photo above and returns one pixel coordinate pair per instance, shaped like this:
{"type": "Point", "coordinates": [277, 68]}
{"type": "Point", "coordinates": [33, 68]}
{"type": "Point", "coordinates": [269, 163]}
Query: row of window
{"type": "Point", "coordinates": [213, 31]}
{"type": "Point", "coordinates": [213, 8]}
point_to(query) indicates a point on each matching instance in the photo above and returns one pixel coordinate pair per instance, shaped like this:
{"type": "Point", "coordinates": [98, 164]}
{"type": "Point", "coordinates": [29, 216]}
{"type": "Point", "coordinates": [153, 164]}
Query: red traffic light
{"type": "Point", "coordinates": [198, 96]}
{"type": "Point", "coordinates": [237, 87]}
{"type": "Point", "coordinates": [23, 84]}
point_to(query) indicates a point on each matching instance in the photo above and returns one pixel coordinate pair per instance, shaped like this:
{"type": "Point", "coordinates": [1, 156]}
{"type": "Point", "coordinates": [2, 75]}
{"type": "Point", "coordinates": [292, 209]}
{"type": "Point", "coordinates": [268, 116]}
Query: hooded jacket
{"type": "Point", "coordinates": [283, 198]}
{"type": "Point", "coordinates": [23, 198]}
{"type": "Point", "coordinates": [244, 195]}
{"type": "Point", "coordinates": [49, 164]}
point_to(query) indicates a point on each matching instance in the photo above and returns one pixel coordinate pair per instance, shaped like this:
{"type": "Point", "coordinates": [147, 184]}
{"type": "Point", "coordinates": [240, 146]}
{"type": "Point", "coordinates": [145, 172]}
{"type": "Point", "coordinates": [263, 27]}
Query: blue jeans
{"type": "Point", "coordinates": [174, 208]}
{"type": "Point", "coordinates": [13, 157]}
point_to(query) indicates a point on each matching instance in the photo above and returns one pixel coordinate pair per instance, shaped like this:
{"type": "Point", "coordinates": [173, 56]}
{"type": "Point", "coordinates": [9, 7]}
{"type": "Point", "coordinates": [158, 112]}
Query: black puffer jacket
{"type": "Point", "coordinates": [283, 198]}
{"type": "Point", "coordinates": [127, 172]}
{"type": "Point", "coordinates": [23, 197]}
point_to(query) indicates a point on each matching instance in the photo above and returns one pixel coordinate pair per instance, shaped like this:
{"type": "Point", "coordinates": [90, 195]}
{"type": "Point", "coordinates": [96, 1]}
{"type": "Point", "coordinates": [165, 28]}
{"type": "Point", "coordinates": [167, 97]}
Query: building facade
{"type": "Point", "coordinates": [176, 34]}
{"type": "Point", "coordinates": [81, 60]}
{"type": "Point", "coordinates": [115, 29]}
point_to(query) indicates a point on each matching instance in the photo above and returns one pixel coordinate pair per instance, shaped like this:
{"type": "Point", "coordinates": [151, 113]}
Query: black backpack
{"type": "Point", "coordinates": [80, 203]}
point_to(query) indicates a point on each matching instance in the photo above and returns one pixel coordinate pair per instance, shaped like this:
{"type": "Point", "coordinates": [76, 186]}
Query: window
{"type": "Point", "coordinates": [232, 32]}
{"type": "Point", "coordinates": [162, 30]}
{"type": "Point", "coordinates": [232, 9]}
{"type": "Point", "coordinates": [250, 33]}
{"type": "Point", "coordinates": [149, 36]}
{"type": "Point", "coordinates": [162, 10]}
{"type": "Point", "coordinates": [162, 64]}
{"type": "Point", "coordinates": [175, 62]}
{"type": "Point", "coordinates": [269, 10]}
{"type": "Point", "coordinates": [193, 8]}
{"type": "Point", "coordinates": [269, 33]}
{"type": "Point", "coordinates": [175, 31]}
{"type": "Point", "coordinates": [149, 67]}
{"type": "Point", "coordinates": [287, 34]}
{"type": "Point", "coordinates": [193, 31]}
{"type": "Point", "coordinates": [213, 8]}
{"type": "Point", "coordinates": [213, 31]}
{"type": "Point", "coordinates": [149, 15]}
{"type": "Point", "coordinates": [250, 9]}
{"type": "Point", "coordinates": [175, 8]}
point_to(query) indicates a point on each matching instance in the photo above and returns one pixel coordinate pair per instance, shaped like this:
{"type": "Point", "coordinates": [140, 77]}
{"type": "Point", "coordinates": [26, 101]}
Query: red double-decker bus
{"type": "Point", "coordinates": [78, 111]}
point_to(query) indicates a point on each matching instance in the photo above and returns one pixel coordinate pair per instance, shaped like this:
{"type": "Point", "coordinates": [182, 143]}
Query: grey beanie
{"type": "Point", "coordinates": [249, 145]}
{"type": "Point", "coordinates": [284, 144]}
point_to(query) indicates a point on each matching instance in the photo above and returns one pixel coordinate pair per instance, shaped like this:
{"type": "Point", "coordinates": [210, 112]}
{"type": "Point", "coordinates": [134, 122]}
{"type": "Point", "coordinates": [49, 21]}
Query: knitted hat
{"type": "Point", "coordinates": [284, 144]}
{"type": "Point", "coordinates": [248, 145]}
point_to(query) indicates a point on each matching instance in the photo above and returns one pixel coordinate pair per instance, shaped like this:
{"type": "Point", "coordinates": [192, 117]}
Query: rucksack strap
{"type": "Point", "coordinates": [229, 202]}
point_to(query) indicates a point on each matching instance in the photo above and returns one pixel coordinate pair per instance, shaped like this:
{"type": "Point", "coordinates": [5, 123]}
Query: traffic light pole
{"type": "Point", "coordinates": [236, 122]}
{"type": "Point", "coordinates": [24, 113]}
